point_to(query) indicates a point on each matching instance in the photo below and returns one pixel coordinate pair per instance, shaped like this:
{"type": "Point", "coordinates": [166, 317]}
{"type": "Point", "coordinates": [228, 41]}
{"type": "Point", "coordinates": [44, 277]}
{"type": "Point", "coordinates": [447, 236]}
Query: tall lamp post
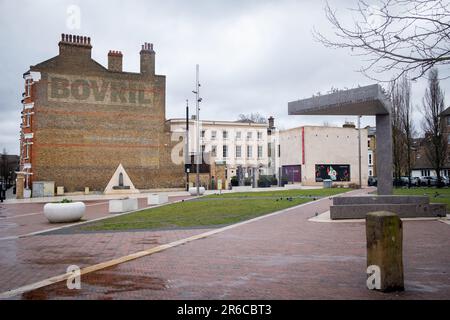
{"type": "Point", "coordinates": [359, 151]}
{"type": "Point", "coordinates": [187, 157]}
{"type": "Point", "coordinates": [197, 102]}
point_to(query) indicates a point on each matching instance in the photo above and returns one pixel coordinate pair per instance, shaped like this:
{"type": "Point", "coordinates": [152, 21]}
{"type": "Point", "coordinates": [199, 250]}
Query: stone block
{"type": "Point", "coordinates": [123, 205]}
{"type": "Point", "coordinates": [381, 200]}
{"type": "Point", "coordinates": [384, 234]}
{"type": "Point", "coordinates": [408, 210]}
{"type": "Point", "coordinates": [59, 191]}
{"type": "Point", "coordinates": [157, 198]}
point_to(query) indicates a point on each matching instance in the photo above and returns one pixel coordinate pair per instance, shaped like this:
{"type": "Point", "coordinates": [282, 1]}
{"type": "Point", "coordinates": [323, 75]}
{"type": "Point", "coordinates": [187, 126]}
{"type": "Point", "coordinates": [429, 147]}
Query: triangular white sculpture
{"type": "Point", "coordinates": [114, 182]}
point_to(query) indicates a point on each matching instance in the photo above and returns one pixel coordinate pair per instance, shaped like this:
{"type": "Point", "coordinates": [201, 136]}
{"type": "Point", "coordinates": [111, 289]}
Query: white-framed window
{"type": "Point", "coordinates": [238, 135]}
{"type": "Point", "coordinates": [28, 83]}
{"type": "Point", "coordinates": [238, 151]}
{"type": "Point", "coordinates": [249, 152]}
{"type": "Point", "coordinates": [225, 151]}
{"type": "Point", "coordinates": [27, 119]}
{"type": "Point", "coordinates": [260, 152]}
{"type": "Point", "coordinates": [225, 134]}
{"type": "Point", "coordinates": [249, 135]}
{"type": "Point", "coordinates": [370, 173]}
{"type": "Point", "coordinates": [214, 151]}
{"type": "Point", "coordinates": [279, 151]}
{"type": "Point", "coordinates": [213, 135]}
{"type": "Point", "coordinates": [202, 133]}
{"type": "Point", "coordinates": [259, 135]}
{"type": "Point", "coordinates": [269, 149]}
{"type": "Point", "coordinates": [370, 158]}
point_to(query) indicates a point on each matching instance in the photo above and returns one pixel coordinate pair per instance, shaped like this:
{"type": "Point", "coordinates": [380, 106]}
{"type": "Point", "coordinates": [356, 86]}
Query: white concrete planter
{"type": "Point", "coordinates": [156, 198]}
{"type": "Point", "coordinates": [64, 212]}
{"type": "Point", "coordinates": [193, 191]}
{"type": "Point", "coordinates": [123, 205]}
{"type": "Point", "coordinates": [242, 188]}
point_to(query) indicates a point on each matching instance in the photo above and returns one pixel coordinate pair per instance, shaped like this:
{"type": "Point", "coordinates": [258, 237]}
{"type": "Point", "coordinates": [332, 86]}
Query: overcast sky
{"type": "Point", "coordinates": [254, 56]}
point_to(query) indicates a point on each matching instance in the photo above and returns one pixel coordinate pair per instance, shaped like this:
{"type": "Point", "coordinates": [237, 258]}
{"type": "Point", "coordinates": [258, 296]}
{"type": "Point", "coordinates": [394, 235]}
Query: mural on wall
{"type": "Point", "coordinates": [335, 172]}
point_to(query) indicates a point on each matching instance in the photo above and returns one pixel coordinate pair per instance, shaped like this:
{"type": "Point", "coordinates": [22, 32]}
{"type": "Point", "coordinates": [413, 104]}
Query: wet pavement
{"type": "Point", "coordinates": [24, 218]}
{"type": "Point", "coordinates": [281, 256]}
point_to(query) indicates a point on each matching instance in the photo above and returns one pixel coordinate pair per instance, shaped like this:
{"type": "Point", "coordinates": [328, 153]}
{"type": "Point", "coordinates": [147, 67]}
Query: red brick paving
{"type": "Point", "coordinates": [279, 257]}
{"type": "Point", "coordinates": [13, 223]}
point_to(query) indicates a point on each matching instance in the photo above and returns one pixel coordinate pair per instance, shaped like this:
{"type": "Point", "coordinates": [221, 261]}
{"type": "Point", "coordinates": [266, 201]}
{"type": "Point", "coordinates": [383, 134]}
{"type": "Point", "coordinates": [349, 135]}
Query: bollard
{"type": "Point", "coordinates": [384, 234]}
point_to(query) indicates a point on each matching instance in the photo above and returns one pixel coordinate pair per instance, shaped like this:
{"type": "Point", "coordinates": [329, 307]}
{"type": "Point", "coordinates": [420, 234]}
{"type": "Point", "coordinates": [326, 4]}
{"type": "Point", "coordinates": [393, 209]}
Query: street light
{"type": "Point", "coordinates": [197, 102]}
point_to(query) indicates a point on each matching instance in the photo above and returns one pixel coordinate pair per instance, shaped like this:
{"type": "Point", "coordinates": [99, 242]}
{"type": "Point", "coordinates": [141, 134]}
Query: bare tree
{"type": "Point", "coordinates": [252, 117]}
{"type": "Point", "coordinates": [407, 123]}
{"type": "Point", "coordinates": [398, 136]}
{"type": "Point", "coordinates": [435, 140]}
{"type": "Point", "coordinates": [404, 36]}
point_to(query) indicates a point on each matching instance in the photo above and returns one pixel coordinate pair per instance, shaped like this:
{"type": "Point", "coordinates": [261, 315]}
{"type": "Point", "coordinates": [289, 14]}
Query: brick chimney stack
{"type": "Point", "coordinates": [115, 60]}
{"type": "Point", "coordinates": [75, 45]}
{"type": "Point", "coordinates": [147, 59]}
{"type": "Point", "coordinates": [271, 122]}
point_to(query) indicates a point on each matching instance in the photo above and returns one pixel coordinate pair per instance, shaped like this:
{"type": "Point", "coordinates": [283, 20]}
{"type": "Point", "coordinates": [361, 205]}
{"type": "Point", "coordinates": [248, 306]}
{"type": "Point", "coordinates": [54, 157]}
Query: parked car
{"type": "Point", "coordinates": [445, 181]}
{"type": "Point", "coordinates": [372, 181]}
{"type": "Point", "coordinates": [428, 181]}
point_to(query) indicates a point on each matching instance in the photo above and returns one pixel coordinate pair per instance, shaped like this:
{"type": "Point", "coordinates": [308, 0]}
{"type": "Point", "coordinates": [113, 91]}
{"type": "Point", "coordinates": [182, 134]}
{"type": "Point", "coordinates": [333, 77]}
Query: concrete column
{"type": "Point", "coordinates": [384, 154]}
{"type": "Point", "coordinates": [384, 235]}
{"type": "Point", "coordinates": [20, 183]}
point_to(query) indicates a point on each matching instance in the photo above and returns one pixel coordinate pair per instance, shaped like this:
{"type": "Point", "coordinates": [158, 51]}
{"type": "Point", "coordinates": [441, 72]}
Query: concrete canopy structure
{"type": "Point", "coordinates": [363, 101]}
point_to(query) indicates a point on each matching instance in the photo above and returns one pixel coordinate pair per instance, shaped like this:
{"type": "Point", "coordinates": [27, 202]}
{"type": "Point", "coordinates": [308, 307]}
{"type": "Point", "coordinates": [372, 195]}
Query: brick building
{"type": "Point", "coordinates": [81, 120]}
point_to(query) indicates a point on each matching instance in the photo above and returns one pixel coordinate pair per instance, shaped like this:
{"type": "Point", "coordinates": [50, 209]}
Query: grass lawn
{"type": "Point", "coordinates": [210, 212]}
{"type": "Point", "coordinates": [436, 195]}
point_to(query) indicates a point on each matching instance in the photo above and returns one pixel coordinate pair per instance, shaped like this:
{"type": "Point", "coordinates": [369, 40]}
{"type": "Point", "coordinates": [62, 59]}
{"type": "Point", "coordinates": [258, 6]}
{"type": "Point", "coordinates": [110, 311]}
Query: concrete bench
{"type": "Point", "coordinates": [157, 198]}
{"type": "Point", "coordinates": [123, 205]}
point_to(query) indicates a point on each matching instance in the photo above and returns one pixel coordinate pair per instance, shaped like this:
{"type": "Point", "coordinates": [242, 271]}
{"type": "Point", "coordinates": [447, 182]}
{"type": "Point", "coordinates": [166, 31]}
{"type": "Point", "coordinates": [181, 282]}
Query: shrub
{"type": "Point", "coordinates": [264, 181]}
{"type": "Point", "coordinates": [234, 181]}
{"type": "Point", "coordinates": [247, 181]}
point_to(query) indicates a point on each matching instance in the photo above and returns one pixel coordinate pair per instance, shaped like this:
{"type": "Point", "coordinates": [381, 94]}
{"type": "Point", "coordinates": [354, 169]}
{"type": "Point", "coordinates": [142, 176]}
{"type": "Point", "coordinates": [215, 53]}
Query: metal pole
{"type": "Point", "coordinates": [359, 150]}
{"type": "Point", "coordinates": [197, 100]}
{"type": "Point", "coordinates": [187, 158]}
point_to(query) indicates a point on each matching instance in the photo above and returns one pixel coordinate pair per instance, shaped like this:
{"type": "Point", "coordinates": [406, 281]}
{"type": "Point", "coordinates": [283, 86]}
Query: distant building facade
{"type": "Point", "coordinates": [310, 154]}
{"type": "Point", "coordinates": [242, 146]}
{"type": "Point", "coordinates": [80, 120]}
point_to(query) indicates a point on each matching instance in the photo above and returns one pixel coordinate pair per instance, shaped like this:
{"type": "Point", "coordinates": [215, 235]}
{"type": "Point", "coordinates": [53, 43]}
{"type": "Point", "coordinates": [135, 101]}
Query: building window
{"type": "Point", "coordinates": [27, 150]}
{"type": "Point", "coordinates": [203, 148]}
{"type": "Point", "coordinates": [238, 135]}
{"type": "Point", "coordinates": [368, 143]}
{"type": "Point", "coordinates": [249, 151]}
{"type": "Point", "coordinates": [259, 135]}
{"type": "Point", "coordinates": [213, 135]}
{"type": "Point", "coordinates": [269, 149]}
{"type": "Point", "coordinates": [448, 120]}
{"type": "Point", "coordinates": [225, 134]}
{"type": "Point", "coordinates": [370, 159]}
{"type": "Point", "coordinates": [225, 151]}
{"type": "Point", "coordinates": [370, 173]}
{"type": "Point", "coordinates": [249, 135]}
{"type": "Point", "coordinates": [28, 88]}
{"type": "Point", "coordinates": [214, 151]}
{"type": "Point", "coordinates": [202, 134]}
{"type": "Point", "coordinates": [238, 151]}
{"type": "Point", "coordinates": [260, 152]}
{"type": "Point", "coordinates": [279, 151]}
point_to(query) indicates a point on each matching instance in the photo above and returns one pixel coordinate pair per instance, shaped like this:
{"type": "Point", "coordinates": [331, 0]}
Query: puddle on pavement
{"type": "Point", "coordinates": [99, 285]}
{"type": "Point", "coordinates": [78, 258]}
{"type": "Point", "coordinates": [147, 241]}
